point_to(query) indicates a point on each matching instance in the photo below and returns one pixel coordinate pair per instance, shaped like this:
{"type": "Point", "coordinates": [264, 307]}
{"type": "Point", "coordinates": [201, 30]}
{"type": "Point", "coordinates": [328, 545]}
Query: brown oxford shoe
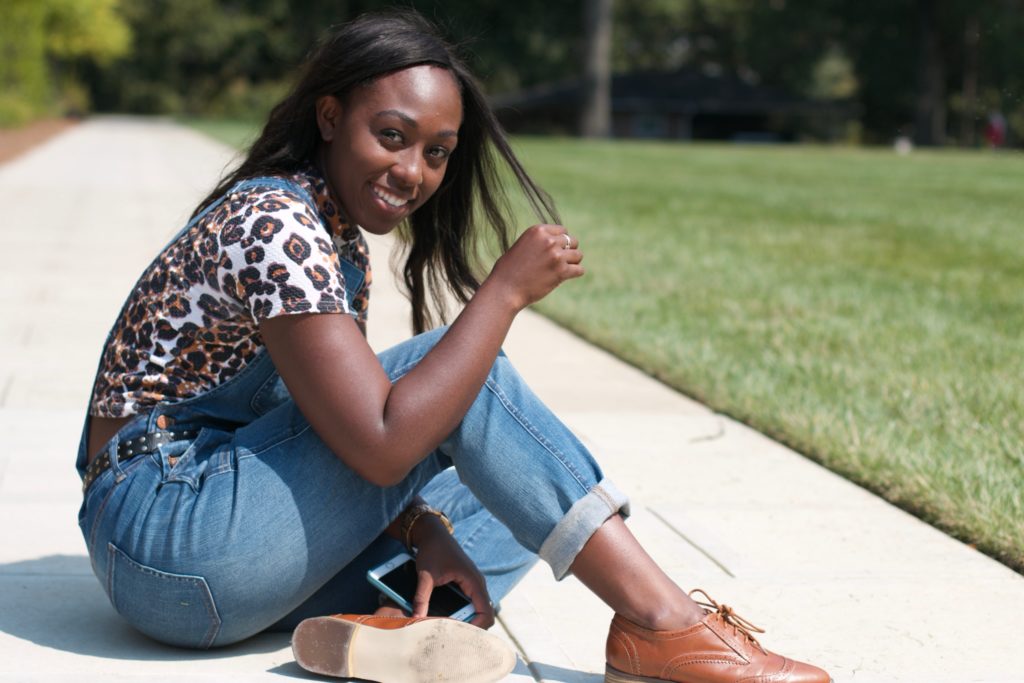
{"type": "Point", "coordinates": [401, 649]}
{"type": "Point", "coordinates": [720, 648]}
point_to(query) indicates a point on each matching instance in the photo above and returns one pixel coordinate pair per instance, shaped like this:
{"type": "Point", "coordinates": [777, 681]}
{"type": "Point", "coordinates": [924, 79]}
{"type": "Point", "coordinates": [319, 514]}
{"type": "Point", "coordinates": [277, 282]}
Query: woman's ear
{"type": "Point", "coordinates": [328, 116]}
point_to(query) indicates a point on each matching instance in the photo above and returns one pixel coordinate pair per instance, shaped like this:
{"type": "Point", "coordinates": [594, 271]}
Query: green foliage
{"type": "Point", "coordinates": [232, 57]}
{"type": "Point", "coordinates": [187, 55]}
{"type": "Point", "coordinates": [86, 28]}
{"type": "Point", "coordinates": [833, 77]}
{"type": "Point", "coordinates": [228, 58]}
{"type": "Point", "coordinates": [24, 80]}
{"type": "Point", "coordinates": [40, 42]}
{"type": "Point", "coordinates": [869, 50]}
{"type": "Point", "coordinates": [652, 35]}
{"type": "Point", "coordinates": [15, 111]}
{"type": "Point", "coordinates": [510, 45]}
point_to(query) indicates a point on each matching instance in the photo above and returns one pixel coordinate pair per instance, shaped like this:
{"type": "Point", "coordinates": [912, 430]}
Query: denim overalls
{"type": "Point", "coordinates": [255, 524]}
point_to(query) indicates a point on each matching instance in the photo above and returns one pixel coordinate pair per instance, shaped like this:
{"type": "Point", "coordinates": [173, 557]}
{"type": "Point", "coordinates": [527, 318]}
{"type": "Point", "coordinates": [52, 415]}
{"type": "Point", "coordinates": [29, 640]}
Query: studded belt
{"type": "Point", "coordinates": [129, 448]}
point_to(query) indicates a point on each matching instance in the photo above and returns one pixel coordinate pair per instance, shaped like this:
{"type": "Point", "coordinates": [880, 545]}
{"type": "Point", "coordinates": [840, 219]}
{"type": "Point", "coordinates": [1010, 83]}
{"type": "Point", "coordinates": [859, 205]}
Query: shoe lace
{"type": "Point", "coordinates": [729, 616]}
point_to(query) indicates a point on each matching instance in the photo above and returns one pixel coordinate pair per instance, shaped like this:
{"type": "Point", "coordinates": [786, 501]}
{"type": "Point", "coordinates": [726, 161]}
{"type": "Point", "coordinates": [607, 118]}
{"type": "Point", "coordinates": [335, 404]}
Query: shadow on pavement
{"type": "Point", "coordinates": [56, 602]}
{"type": "Point", "coordinates": [550, 672]}
{"type": "Point", "coordinates": [293, 670]}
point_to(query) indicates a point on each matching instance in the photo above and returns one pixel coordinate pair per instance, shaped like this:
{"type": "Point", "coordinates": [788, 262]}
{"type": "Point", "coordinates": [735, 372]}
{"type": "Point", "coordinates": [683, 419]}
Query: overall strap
{"type": "Point", "coordinates": [276, 183]}
{"type": "Point", "coordinates": [273, 182]}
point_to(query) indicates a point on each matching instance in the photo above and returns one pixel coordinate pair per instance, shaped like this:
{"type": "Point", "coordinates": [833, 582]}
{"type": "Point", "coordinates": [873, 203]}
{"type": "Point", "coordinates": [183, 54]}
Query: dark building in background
{"type": "Point", "coordinates": [688, 104]}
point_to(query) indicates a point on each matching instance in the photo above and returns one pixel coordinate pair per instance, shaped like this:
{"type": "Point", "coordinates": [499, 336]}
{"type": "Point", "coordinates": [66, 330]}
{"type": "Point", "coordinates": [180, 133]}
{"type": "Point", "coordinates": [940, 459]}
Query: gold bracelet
{"type": "Point", "coordinates": [412, 515]}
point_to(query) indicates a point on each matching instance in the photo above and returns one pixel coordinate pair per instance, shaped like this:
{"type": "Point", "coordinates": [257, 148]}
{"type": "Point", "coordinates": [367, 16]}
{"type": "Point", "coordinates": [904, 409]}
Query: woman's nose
{"type": "Point", "coordinates": [408, 169]}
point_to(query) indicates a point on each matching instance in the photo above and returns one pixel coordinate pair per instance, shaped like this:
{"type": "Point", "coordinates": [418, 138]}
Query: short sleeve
{"type": "Point", "coordinates": [277, 258]}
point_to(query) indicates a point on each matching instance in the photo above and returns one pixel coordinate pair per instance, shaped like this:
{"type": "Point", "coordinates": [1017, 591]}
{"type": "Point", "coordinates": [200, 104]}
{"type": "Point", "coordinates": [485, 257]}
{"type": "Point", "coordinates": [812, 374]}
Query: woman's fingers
{"type": "Point", "coordinates": [569, 245]}
{"type": "Point", "coordinates": [476, 590]}
{"type": "Point", "coordinates": [541, 259]}
{"type": "Point", "coordinates": [569, 241]}
{"type": "Point", "coordinates": [573, 256]}
{"type": "Point", "coordinates": [424, 587]}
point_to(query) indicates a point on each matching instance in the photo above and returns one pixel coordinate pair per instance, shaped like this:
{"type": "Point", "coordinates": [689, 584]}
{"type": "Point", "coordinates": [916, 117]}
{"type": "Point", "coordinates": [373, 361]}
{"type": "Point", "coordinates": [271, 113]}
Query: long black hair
{"type": "Point", "coordinates": [441, 238]}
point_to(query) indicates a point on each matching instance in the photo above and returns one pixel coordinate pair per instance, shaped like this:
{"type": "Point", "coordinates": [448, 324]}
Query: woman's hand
{"type": "Point", "coordinates": [382, 429]}
{"type": "Point", "coordinates": [542, 258]}
{"type": "Point", "coordinates": [441, 560]}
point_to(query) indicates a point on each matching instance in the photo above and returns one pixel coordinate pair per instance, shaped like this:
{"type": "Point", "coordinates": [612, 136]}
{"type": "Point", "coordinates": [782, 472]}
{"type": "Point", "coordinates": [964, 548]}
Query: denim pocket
{"type": "Point", "coordinates": [270, 395]}
{"type": "Point", "coordinates": [177, 609]}
{"type": "Point", "coordinates": [193, 463]}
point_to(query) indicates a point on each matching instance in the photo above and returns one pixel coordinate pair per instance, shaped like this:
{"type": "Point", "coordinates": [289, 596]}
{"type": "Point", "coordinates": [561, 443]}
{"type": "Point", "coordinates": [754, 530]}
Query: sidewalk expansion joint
{"type": "Point", "coordinates": [712, 437]}
{"type": "Point", "coordinates": [519, 648]}
{"type": "Point", "coordinates": [691, 542]}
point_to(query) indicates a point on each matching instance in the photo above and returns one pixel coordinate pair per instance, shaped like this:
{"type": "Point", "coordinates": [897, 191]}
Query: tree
{"type": "Point", "coordinates": [41, 41]}
{"type": "Point", "coordinates": [24, 80]}
{"type": "Point", "coordinates": [596, 117]}
{"type": "Point", "coordinates": [909, 64]}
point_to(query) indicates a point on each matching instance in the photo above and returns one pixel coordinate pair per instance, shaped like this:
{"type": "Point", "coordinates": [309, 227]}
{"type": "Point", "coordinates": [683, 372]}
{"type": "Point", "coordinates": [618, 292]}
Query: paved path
{"type": "Point", "coordinates": [836, 575]}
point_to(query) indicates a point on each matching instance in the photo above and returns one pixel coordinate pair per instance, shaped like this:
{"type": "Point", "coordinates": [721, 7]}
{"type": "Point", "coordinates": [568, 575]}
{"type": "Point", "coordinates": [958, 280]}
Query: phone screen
{"type": "Point", "coordinates": [444, 600]}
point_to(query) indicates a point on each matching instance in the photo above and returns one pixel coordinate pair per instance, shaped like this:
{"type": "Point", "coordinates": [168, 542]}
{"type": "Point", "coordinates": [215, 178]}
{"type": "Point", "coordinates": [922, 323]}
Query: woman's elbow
{"type": "Point", "coordinates": [377, 471]}
{"type": "Point", "coordinates": [383, 479]}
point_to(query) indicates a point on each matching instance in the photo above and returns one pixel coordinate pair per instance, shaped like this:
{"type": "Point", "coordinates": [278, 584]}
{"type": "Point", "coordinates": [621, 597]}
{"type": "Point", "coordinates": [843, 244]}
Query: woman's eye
{"type": "Point", "coordinates": [391, 135]}
{"type": "Point", "coordinates": [439, 152]}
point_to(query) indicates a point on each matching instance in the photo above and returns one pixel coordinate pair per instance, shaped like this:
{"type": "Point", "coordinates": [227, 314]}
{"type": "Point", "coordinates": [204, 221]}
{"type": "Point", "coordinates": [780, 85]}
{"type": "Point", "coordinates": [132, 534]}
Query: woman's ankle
{"type": "Point", "coordinates": [667, 616]}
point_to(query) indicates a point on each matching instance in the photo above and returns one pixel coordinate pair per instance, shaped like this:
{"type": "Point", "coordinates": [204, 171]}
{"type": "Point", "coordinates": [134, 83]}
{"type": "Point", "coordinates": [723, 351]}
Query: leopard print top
{"type": "Point", "coordinates": [191, 321]}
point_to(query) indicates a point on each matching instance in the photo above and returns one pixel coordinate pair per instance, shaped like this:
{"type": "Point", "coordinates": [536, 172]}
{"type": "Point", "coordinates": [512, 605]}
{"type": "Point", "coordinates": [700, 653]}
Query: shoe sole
{"type": "Point", "coordinates": [431, 651]}
{"type": "Point", "coordinates": [613, 675]}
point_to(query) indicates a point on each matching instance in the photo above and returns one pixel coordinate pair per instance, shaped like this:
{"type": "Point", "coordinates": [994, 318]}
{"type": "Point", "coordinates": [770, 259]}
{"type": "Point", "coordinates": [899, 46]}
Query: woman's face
{"type": "Point", "coordinates": [387, 146]}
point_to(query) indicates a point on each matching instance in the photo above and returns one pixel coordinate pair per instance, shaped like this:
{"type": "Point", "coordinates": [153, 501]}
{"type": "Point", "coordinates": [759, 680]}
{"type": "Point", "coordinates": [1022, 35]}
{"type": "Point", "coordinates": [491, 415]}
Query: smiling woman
{"type": "Point", "coordinates": [247, 457]}
{"type": "Point", "coordinates": [387, 146]}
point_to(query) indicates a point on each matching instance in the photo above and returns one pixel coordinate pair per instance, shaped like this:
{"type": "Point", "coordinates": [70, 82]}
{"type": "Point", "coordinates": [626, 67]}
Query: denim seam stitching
{"type": "Point", "coordinates": [248, 369]}
{"type": "Point", "coordinates": [267, 446]}
{"type": "Point", "coordinates": [130, 467]}
{"type": "Point", "coordinates": [96, 528]}
{"type": "Point", "coordinates": [468, 542]}
{"type": "Point", "coordinates": [187, 456]}
{"type": "Point", "coordinates": [194, 581]}
{"type": "Point", "coordinates": [110, 572]}
{"type": "Point", "coordinates": [226, 468]}
{"type": "Point", "coordinates": [532, 431]}
{"type": "Point", "coordinates": [258, 394]}
{"type": "Point", "coordinates": [604, 496]}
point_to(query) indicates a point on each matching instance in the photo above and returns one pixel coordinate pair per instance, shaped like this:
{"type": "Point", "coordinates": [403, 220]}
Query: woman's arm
{"type": "Point", "coordinates": [379, 429]}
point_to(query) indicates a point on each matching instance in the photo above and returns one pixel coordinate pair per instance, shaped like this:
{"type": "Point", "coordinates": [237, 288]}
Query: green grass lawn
{"type": "Point", "coordinates": [862, 307]}
{"type": "Point", "coordinates": [239, 134]}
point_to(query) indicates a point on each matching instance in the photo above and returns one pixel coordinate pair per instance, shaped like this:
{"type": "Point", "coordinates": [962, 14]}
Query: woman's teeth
{"type": "Point", "coordinates": [390, 199]}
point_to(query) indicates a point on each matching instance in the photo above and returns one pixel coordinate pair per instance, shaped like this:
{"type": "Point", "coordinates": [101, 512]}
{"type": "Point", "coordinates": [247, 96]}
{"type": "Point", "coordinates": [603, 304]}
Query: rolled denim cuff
{"type": "Point", "coordinates": [585, 517]}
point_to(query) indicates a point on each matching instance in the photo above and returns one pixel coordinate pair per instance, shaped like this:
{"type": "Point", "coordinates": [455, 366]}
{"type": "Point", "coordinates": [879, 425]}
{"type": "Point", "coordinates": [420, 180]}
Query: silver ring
{"type": "Point", "coordinates": [568, 241]}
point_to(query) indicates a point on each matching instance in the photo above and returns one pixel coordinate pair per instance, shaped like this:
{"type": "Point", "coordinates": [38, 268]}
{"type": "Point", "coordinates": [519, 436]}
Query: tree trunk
{"type": "Point", "coordinates": [930, 120]}
{"type": "Point", "coordinates": [596, 114]}
{"type": "Point", "coordinates": [969, 116]}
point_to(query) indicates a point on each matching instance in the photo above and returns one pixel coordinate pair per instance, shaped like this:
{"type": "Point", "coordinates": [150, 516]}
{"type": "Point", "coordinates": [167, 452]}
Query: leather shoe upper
{"type": "Point", "coordinates": [717, 649]}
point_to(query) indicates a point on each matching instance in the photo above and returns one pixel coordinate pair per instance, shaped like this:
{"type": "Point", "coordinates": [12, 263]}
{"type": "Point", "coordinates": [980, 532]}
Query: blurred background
{"type": "Point", "coordinates": [799, 212]}
{"type": "Point", "coordinates": [923, 72]}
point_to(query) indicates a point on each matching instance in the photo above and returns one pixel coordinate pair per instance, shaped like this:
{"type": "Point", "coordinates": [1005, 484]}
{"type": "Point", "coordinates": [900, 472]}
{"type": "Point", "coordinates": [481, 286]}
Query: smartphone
{"type": "Point", "coordinates": [397, 579]}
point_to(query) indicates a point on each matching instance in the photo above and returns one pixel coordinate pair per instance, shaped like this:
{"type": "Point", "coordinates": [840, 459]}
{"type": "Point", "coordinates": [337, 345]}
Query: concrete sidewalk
{"type": "Point", "coordinates": [837, 576]}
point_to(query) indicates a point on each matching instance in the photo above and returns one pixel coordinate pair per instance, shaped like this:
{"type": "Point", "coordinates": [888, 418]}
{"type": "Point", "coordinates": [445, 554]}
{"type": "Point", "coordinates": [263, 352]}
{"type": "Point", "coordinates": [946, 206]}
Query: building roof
{"type": "Point", "coordinates": [685, 91]}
